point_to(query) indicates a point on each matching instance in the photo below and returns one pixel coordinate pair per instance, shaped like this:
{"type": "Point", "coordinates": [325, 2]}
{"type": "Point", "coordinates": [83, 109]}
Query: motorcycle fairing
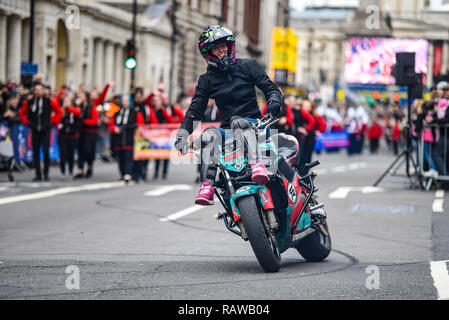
{"type": "Point", "coordinates": [262, 193]}
{"type": "Point", "coordinates": [295, 193]}
{"type": "Point", "coordinates": [234, 161]}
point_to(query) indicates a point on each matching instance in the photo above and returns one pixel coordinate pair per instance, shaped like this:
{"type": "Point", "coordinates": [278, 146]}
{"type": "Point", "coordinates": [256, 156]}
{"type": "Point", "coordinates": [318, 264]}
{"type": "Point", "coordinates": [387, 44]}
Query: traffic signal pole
{"type": "Point", "coordinates": [31, 52]}
{"type": "Point", "coordinates": [133, 75]}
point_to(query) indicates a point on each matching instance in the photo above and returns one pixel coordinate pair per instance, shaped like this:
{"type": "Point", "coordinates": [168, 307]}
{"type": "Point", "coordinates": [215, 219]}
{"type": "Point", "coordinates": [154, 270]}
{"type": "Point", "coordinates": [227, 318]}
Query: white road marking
{"type": "Point", "coordinates": [167, 189]}
{"type": "Point", "coordinates": [182, 213]}
{"type": "Point", "coordinates": [321, 171]}
{"type": "Point", "coordinates": [344, 168]}
{"type": "Point", "coordinates": [55, 192]}
{"type": "Point", "coordinates": [437, 205]}
{"type": "Point", "coordinates": [339, 169]}
{"type": "Point", "coordinates": [438, 270]}
{"type": "Point", "coordinates": [342, 192]}
{"type": "Point", "coordinates": [357, 165]}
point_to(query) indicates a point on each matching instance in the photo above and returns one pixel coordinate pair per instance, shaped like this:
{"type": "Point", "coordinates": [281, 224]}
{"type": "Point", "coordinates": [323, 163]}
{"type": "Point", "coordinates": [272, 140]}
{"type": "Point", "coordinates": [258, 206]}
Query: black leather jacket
{"type": "Point", "coordinates": [233, 91]}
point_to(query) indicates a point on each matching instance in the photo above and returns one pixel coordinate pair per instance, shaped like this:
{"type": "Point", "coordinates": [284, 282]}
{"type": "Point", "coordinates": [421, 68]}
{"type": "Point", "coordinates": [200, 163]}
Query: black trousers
{"type": "Point", "coordinates": [86, 149]}
{"type": "Point", "coordinates": [165, 169]}
{"type": "Point", "coordinates": [41, 139]}
{"type": "Point", "coordinates": [439, 153]}
{"type": "Point", "coordinates": [374, 145]}
{"type": "Point", "coordinates": [125, 162]}
{"type": "Point", "coordinates": [140, 169]}
{"type": "Point", "coordinates": [307, 149]}
{"type": "Point", "coordinates": [67, 148]}
{"type": "Point", "coordinates": [301, 159]}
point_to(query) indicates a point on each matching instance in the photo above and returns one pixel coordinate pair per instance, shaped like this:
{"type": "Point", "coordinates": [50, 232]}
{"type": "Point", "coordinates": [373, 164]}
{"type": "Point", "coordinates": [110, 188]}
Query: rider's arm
{"type": "Point", "coordinates": [263, 82]}
{"type": "Point", "coordinates": [197, 106]}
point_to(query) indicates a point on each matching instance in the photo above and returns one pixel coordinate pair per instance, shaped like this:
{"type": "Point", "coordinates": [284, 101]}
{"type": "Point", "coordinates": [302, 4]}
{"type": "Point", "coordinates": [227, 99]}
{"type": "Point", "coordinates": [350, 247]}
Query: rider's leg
{"type": "Point", "coordinates": [245, 137]}
{"type": "Point", "coordinates": [210, 139]}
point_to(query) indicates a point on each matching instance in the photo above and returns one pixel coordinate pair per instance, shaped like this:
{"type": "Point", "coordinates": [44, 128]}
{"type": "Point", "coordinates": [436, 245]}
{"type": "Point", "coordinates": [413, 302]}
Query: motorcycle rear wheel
{"type": "Point", "coordinates": [263, 243]}
{"type": "Point", "coordinates": [317, 246]}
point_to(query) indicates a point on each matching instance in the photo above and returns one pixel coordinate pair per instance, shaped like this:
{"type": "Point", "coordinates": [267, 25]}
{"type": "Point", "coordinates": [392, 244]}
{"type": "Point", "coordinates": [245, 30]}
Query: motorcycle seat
{"type": "Point", "coordinates": [287, 145]}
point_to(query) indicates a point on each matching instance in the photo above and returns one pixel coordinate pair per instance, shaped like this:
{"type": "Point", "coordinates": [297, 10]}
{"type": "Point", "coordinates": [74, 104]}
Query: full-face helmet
{"type": "Point", "coordinates": [212, 36]}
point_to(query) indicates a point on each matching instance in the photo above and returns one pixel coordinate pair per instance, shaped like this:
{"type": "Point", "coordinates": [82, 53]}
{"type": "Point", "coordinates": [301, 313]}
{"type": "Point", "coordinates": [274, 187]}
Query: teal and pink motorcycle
{"type": "Point", "coordinates": [283, 214]}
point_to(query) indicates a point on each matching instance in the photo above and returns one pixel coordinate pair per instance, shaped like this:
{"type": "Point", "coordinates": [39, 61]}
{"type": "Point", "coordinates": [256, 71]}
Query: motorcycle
{"type": "Point", "coordinates": [285, 213]}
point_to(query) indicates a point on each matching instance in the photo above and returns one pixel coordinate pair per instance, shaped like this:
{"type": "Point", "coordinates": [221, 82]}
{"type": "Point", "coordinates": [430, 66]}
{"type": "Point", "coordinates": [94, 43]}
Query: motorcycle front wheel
{"type": "Point", "coordinates": [263, 243]}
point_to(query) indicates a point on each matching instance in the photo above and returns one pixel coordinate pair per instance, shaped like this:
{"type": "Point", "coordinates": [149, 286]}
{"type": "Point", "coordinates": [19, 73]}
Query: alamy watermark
{"type": "Point", "coordinates": [373, 280]}
{"type": "Point", "coordinates": [72, 282]}
{"type": "Point", "coordinates": [72, 21]}
{"type": "Point", "coordinates": [372, 22]}
{"type": "Point", "coordinates": [212, 146]}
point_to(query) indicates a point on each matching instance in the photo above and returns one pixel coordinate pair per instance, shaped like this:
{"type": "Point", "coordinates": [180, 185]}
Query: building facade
{"type": "Point", "coordinates": [83, 42]}
{"type": "Point", "coordinates": [323, 31]}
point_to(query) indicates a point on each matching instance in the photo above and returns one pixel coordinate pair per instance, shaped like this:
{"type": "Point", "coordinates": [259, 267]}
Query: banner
{"type": "Point", "coordinates": [156, 141]}
{"type": "Point", "coordinates": [20, 136]}
{"type": "Point", "coordinates": [332, 140]}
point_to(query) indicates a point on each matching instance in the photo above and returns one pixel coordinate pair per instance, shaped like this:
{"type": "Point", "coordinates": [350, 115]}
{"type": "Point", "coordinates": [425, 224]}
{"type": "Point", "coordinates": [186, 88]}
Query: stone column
{"type": "Point", "coordinates": [118, 69]}
{"type": "Point", "coordinates": [445, 58]}
{"type": "Point", "coordinates": [25, 40]}
{"type": "Point", "coordinates": [14, 53]}
{"type": "Point", "coordinates": [90, 60]}
{"type": "Point", "coordinates": [109, 61]}
{"type": "Point", "coordinates": [3, 54]}
{"type": "Point", "coordinates": [430, 66]}
{"type": "Point", "coordinates": [98, 63]}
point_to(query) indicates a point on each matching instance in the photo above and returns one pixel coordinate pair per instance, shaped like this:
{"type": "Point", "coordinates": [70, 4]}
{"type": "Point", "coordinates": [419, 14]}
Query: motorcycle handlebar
{"type": "Point", "coordinates": [266, 121]}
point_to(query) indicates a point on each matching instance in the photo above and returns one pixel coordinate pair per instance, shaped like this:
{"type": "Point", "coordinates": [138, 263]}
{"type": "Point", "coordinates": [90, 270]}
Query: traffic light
{"type": "Point", "coordinates": [131, 61]}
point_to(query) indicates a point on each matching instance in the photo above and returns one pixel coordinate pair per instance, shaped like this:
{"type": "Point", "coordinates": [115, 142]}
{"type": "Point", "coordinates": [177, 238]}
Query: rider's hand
{"type": "Point", "coordinates": [274, 107]}
{"type": "Point", "coordinates": [181, 143]}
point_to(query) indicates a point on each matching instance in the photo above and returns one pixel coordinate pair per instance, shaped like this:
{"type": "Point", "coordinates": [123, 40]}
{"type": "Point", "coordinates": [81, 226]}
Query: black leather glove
{"type": "Point", "coordinates": [181, 143]}
{"type": "Point", "coordinates": [274, 107]}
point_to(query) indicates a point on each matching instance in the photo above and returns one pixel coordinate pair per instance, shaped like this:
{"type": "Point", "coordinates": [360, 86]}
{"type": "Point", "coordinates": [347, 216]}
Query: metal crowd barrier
{"type": "Point", "coordinates": [433, 153]}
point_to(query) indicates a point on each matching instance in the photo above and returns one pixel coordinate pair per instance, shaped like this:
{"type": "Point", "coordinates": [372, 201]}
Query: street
{"type": "Point", "coordinates": [149, 240]}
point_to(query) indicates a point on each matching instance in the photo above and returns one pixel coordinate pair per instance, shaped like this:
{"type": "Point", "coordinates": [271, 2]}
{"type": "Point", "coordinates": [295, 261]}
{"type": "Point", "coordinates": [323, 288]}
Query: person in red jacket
{"type": "Point", "coordinates": [374, 135]}
{"type": "Point", "coordinates": [40, 114]}
{"type": "Point", "coordinates": [68, 134]}
{"type": "Point", "coordinates": [304, 123]}
{"type": "Point", "coordinates": [395, 135]}
{"type": "Point", "coordinates": [89, 128]}
{"type": "Point", "coordinates": [163, 116]}
{"type": "Point", "coordinates": [318, 127]}
{"type": "Point", "coordinates": [122, 127]}
{"type": "Point", "coordinates": [286, 119]}
{"type": "Point", "coordinates": [175, 112]}
{"type": "Point", "coordinates": [140, 167]}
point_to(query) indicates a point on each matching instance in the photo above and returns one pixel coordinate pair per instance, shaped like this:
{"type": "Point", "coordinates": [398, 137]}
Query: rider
{"type": "Point", "coordinates": [231, 83]}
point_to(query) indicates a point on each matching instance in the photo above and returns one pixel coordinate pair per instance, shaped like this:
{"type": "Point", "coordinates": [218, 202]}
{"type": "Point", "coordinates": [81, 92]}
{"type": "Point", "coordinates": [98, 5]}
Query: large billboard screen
{"type": "Point", "coordinates": [370, 60]}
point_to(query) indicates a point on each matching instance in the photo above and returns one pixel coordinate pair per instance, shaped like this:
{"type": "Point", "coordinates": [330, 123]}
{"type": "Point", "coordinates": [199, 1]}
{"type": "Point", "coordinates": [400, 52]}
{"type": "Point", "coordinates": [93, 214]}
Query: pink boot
{"type": "Point", "coordinates": [259, 173]}
{"type": "Point", "coordinates": [206, 195]}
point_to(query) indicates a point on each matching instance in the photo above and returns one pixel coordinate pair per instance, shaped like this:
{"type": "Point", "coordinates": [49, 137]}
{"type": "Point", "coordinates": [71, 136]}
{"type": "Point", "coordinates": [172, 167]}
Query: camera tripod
{"type": "Point", "coordinates": [407, 154]}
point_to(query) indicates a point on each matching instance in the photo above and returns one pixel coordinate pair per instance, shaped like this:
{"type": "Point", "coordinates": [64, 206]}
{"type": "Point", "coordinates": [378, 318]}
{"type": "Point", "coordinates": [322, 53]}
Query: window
{"type": "Point", "coordinates": [251, 21]}
{"type": "Point", "coordinates": [224, 10]}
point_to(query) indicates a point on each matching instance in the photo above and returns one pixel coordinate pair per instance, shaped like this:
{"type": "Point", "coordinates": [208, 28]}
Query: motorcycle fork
{"type": "Point", "coordinates": [228, 216]}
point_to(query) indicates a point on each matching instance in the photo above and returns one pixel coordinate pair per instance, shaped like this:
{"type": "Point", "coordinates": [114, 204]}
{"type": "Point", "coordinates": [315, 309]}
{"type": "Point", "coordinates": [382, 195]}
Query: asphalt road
{"type": "Point", "coordinates": [149, 241]}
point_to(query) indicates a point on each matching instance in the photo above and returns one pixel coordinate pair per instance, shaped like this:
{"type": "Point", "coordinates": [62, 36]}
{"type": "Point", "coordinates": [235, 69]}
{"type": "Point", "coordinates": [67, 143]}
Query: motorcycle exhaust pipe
{"type": "Point", "coordinates": [318, 206]}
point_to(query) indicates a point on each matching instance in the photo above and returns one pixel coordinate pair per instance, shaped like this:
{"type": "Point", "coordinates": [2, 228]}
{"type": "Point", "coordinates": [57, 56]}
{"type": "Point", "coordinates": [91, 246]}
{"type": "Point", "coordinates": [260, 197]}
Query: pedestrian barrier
{"type": "Point", "coordinates": [433, 153]}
